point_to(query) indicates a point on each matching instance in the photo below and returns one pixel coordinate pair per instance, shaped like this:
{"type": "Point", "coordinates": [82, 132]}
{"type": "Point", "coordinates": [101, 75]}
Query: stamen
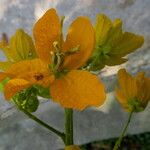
{"type": "Point", "coordinates": [61, 31]}
{"type": "Point", "coordinates": [30, 54]}
{"type": "Point", "coordinates": [58, 61]}
{"type": "Point", "coordinates": [56, 46]}
{"type": "Point", "coordinates": [73, 50]}
{"type": "Point", "coordinates": [53, 57]}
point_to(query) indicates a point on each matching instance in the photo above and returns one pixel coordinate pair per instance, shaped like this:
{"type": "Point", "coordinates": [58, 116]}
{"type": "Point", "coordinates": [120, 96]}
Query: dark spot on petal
{"type": "Point", "coordinates": [38, 76]}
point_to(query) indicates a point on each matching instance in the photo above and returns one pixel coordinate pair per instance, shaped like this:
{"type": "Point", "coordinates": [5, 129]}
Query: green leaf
{"type": "Point", "coordinates": [135, 105]}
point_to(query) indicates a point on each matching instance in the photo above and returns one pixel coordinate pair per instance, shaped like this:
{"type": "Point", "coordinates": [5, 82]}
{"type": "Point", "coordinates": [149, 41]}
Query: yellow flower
{"type": "Point", "coordinates": [133, 92]}
{"type": "Point", "coordinates": [112, 44]}
{"type": "Point", "coordinates": [19, 48]}
{"type": "Point", "coordinates": [72, 147]}
{"type": "Point", "coordinates": [59, 62]}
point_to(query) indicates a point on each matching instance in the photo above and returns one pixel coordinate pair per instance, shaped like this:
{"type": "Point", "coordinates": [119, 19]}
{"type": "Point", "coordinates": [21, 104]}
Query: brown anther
{"type": "Point", "coordinates": [38, 76]}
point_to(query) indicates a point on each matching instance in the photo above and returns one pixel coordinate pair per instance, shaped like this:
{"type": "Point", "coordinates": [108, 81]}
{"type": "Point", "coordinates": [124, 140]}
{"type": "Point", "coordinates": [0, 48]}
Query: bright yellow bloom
{"type": "Point", "coordinates": [112, 44]}
{"type": "Point", "coordinates": [72, 147]}
{"type": "Point", "coordinates": [133, 92]}
{"type": "Point", "coordinates": [19, 48]}
{"type": "Point", "coordinates": [59, 62]}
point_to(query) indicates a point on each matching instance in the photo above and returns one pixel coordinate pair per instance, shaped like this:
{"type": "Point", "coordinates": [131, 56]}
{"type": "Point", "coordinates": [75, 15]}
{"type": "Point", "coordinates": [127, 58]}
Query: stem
{"type": "Point", "coordinates": [31, 116]}
{"type": "Point", "coordinates": [60, 134]}
{"type": "Point", "coordinates": [118, 142]}
{"type": "Point", "coordinates": [69, 126]}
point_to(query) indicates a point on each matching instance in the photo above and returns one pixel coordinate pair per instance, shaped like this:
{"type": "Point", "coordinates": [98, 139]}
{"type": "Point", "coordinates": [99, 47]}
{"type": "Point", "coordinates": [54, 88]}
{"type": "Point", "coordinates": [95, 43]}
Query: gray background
{"type": "Point", "coordinates": [17, 132]}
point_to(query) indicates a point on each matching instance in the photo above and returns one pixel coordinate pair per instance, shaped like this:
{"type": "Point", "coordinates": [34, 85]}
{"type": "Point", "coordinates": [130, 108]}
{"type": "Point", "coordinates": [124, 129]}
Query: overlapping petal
{"type": "Point", "coordinates": [128, 43]}
{"type": "Point", "coordinates": [127, 84]}
{"type": "Point", "coordinates": [14, 86]}
{"type": "Point", "coordinates": [133, 92]}
{"type": "Point", "coordinates": [80, 34]}
{"type": "Point", "coordinates": [112, 43]}
{"type": "Point", "coordinates": [102, 27]}
{"type": "Point", "coordinates": [78, 89]}
{"type": "Point", "coordinates": [21, 46]}
{"type": "Point", "coordinates": [143, 84]}
{"type": "Point", "coordinates": [46, 31]}
{"type": "Point", "coordinates": [3, 75]}
{"type": "Point", "coordinates": [35, 71]}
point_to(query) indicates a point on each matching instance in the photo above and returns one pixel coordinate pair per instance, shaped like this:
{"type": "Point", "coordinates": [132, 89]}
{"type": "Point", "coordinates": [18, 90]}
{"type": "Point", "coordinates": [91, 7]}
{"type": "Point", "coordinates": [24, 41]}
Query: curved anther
{"type": "Point", "coordinates": [56, 46]}
{"type": "Point", "coordinates": [73, 50]}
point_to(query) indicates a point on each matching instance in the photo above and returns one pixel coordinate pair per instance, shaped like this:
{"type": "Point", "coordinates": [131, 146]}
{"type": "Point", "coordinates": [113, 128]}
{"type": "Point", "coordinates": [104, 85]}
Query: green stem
{"type": "Point", "coordinates": [118, 142]}
{"type": "Point", "coordinates": [69, 126]}
{"type": "Point", "coordinates": [31, 116]}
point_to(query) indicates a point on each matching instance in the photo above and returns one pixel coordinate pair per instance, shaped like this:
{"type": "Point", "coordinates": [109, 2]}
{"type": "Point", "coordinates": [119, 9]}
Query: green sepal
{"type": "Point", "coordinates": [27, 99]}
{"type": "Point", "coordinates": [31, 104]}
{"type": "Point", "coordinates": [42, 92]}
{"type": "Point", "coordinates": [135, 105]}
{"type": "Point", "coordinates": [60, 74]}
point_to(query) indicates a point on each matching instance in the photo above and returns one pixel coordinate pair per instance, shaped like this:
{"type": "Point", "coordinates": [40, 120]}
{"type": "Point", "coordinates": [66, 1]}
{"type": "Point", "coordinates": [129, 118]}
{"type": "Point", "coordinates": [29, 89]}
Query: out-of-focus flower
{"type": "Point", "coordinates": [112, 44]}
{"type": "Point", "coordinates": [133, 93]}
{"type": "Point", "coordinates": [19, 48]}
{"type": "Point", "coordinates": [59, 62]}
{"type": "Point", "coordinates": [72, 147]}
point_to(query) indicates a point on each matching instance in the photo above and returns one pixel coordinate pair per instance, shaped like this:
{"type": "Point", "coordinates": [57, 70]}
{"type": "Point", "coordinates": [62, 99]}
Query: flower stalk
{"type": "Point", "coordinates": [69, 126]}
{"type": "Point", "coordinates": [118, 142]}
{"type": "Point", "coordinates": [40, 122]}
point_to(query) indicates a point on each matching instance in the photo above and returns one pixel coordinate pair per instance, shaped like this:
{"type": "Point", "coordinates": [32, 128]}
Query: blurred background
{"type": "Point", "coordinates": [17, 132]}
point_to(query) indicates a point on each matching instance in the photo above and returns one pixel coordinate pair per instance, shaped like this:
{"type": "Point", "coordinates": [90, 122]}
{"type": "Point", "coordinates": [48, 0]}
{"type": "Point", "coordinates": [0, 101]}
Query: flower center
{"type": "Point", "coordinates": [58, 56]}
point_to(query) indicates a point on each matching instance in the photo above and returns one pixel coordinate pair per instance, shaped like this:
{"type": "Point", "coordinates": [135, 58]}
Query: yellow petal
{"type": "Point", "coordinates": [111, 43]}
{"type": "Point", "coordinates": [128, 43]}
{"type": "Point", "coordinates": [14, 86]}
{"type": "Point", "coordinates": [102, 28]}
{"type": "Point", "coordinates": [80, 33]}
{"type": "Point", "coordinates": [114, 34]}
{"type": "Point", "coordinates": [26, 66]}
{"type": "Point", "coordinates": [134, 92]}
{"type": "Point", "coordinates": [3, 76]}
{"type": "Point", "coordinates": [114, 60]}
{"type": "Point", "coordinates": [78, 89]}
{"type": "Point", "coordinates": [127, 84]}
{"type": "Point", "coordinates": [35, 71]}
{"type": "Point", "coordinates": [46, 31]}
{"type": "Point", "coordinates": [143, 85]}
{"type": "Point", "coordinates": [6, 50]}
{"type": "Point", "coordinates": [122, 99]}
{"type": "Point", "coordinates": [21, 46]}
{"type": "Point", "coordinates": [72, 147]}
